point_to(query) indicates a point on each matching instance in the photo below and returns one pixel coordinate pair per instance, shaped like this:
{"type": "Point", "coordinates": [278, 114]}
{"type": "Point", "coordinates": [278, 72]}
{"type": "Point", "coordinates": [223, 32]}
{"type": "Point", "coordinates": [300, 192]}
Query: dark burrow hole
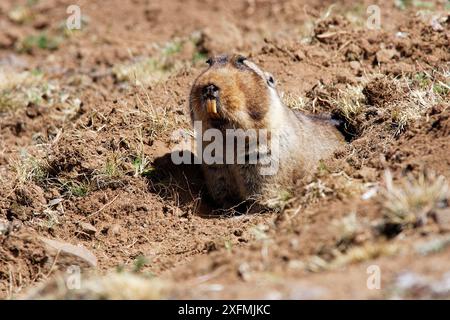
{"type": "Point", "coordinates": [347, 129]}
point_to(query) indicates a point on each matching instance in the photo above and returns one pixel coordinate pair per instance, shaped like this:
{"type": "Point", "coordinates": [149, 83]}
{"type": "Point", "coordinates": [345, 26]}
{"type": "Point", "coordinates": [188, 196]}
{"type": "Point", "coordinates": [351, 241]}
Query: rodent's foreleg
{"type": "Point", "coordinates": [220, 184]}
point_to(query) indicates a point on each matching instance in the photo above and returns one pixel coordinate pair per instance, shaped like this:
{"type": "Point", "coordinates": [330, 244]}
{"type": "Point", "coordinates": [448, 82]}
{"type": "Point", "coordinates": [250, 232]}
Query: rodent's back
{"type": "Point", "coordinates": [323, 136]}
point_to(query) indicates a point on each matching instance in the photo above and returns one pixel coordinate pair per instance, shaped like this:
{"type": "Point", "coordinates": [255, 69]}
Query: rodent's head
{"type": "Point", "coordinates": [232, 90]}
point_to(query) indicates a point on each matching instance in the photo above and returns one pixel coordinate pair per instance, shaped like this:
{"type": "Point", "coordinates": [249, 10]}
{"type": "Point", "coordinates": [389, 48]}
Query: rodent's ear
{"type": "Point", "coordinates": [270, 79]}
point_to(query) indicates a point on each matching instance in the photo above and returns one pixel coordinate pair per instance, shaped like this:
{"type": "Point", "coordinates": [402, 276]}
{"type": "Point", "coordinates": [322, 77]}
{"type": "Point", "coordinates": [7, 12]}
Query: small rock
{"type": "Point", "coordinates": [436, 25]}
{"type": "Point", "coordinates": [299, 55]}
{"type": "Point", "coordinates": [385, 55]}
{"type": "Point", "coordinates": [114, 230]}
{"type": "Point", "coordinates": [54, 202]}
{"type": "Point", "coordinates": [401, 34]}
{"type": "Point", "coordinates": [3, 226]}
{"type": "Point", "coordinates": [67, 248]}
{"type": "Point", "coordinates": [88, 228]}
{"type": "Point", "coordinates": [355, 65]}
{"type": "Point", "coordinates": [244, 271]}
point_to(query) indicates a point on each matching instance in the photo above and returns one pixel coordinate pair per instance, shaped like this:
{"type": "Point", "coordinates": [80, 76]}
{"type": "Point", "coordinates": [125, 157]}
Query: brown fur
{"type": "Point", "coordinates": [247, 99]}
{"type": "Point", "coordinates": [239, 89]}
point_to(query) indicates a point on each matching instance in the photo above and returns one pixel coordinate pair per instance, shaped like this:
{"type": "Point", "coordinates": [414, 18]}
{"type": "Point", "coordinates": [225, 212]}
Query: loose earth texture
{"type": "Point", "coordinates": [91, 205]}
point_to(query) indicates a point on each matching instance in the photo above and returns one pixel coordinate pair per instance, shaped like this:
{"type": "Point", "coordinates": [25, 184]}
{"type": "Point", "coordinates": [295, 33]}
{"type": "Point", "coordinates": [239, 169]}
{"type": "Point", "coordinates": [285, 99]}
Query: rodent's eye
{"type": "Point", "coordinates": [270, 80]}
{"type": "Point", "coordinates": [210, 61]}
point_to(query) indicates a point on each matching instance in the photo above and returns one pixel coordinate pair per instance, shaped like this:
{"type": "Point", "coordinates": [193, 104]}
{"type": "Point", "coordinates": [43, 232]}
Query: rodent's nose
{"type": "Point", "coordinates": [210, 91]}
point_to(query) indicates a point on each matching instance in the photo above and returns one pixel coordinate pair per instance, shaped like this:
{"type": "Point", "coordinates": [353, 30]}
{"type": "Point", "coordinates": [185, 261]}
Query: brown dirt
{"type": "Point", "coordinates": [83, 190]}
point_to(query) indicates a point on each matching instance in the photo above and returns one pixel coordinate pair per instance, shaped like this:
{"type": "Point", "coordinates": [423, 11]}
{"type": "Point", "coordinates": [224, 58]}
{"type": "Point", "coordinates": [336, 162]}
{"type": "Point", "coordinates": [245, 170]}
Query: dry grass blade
{"type": "Point", "coordinates": [410, 202]}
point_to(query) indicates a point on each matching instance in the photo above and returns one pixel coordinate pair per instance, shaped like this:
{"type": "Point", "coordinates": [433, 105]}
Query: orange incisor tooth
{"type": "Point", "coordinates": [211, 106]}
